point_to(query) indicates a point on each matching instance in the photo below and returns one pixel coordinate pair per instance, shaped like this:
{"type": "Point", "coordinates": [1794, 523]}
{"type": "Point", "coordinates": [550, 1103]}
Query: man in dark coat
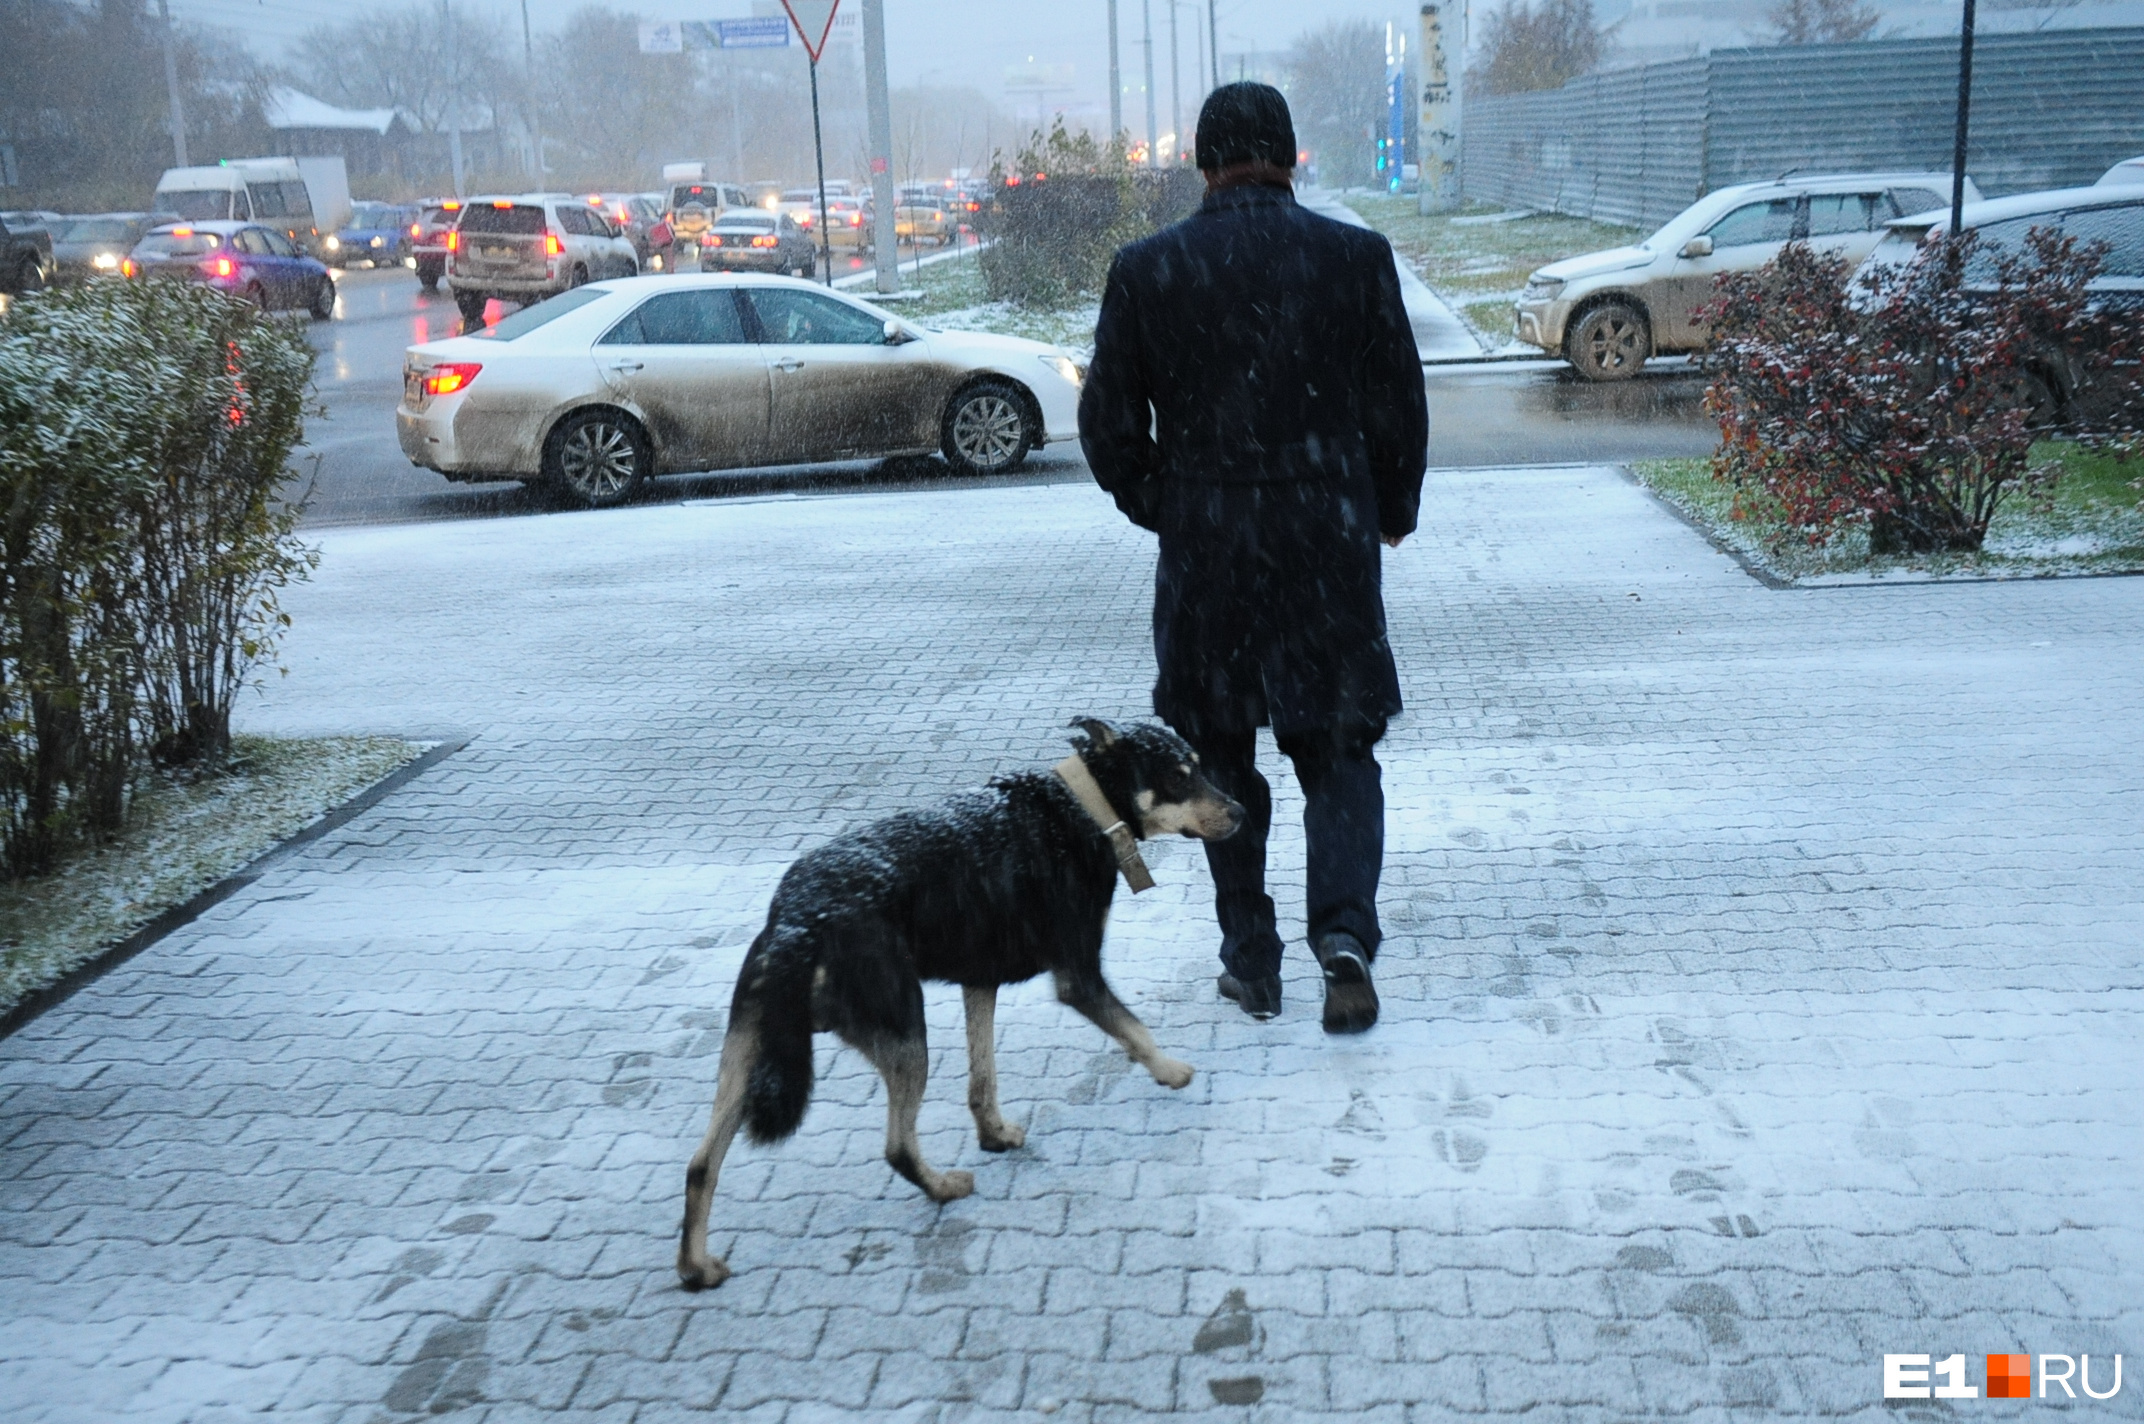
{"type": "Point", "coordinates": [1256, 399]}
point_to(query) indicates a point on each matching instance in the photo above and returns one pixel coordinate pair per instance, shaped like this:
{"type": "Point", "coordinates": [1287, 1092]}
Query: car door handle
{"type": "Point", "coordinates": [789, 363]}
{"type": "Point", "coordinates": [626, 363]}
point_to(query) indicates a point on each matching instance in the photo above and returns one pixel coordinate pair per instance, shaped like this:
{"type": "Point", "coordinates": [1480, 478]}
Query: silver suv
{"type": "Point", "coordinates": [525, 248]}
{"type": "Point", "coordinates": [1607, 312]}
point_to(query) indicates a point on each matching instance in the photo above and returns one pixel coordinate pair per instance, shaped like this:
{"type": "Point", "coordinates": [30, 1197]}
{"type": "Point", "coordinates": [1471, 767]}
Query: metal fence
{"type": "Point", "coordinates": [1638, 145]}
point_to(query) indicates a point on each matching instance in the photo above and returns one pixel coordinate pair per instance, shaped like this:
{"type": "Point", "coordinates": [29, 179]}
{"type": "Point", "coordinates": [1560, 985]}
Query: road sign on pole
{"type": "Point", "coordinates": [814, 20]}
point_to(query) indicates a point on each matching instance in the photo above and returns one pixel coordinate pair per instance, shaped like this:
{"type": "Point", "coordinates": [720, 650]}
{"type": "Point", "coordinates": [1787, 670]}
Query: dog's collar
{"type": "Point", "coordinates": [1072, 771]}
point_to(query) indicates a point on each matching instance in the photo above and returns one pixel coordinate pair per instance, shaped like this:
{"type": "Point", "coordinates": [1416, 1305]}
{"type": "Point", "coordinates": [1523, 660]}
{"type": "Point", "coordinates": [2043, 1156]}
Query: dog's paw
{"type": "Point", "coordinates": [1170, 1073]}
{"type": "Point", "coordinates": [952, 1186]}
{"type": "Point", "coordinates": [1002, 1138]}
{"type": "Point", "coordinates": [705, 1275]}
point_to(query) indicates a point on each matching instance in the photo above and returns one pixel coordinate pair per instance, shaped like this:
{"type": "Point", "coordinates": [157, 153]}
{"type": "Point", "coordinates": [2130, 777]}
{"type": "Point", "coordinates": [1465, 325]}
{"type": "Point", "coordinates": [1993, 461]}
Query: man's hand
{"type": "Point", "coordinates": [1391, 541]}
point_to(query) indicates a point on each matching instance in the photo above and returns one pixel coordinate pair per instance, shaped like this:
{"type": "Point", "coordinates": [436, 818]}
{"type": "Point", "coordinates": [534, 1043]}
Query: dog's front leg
{"type": "Point", "coordinates": [1095, 999]}
{"type": "Point", "coordinates": [991, 1130]}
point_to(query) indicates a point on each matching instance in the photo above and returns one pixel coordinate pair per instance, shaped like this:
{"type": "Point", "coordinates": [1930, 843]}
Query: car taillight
{"type": "Point", "coordinates": [711, 240]}
{"type": "Point", "coordinates": [217, 267]}
{"type": "Point", "coordinates": [445, 380]}
{"type": "Point", "coordinates": [764, 241]}
{"type": "Point", "coordinates": [856, 219]}
{"type": "Point", "coordinates": [416, 230]}
{"type": "Point", "coordinates": [551, 245]}
{"type": "Point", "coordinates": [127, 268]}
{"type": "Point", "coordinates": [454, 240]}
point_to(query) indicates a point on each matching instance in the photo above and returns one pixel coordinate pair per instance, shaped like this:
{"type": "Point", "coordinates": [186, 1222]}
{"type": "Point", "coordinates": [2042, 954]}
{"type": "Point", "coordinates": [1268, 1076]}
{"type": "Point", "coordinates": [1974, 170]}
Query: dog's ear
{"type": "Point", "coordinates": [1101, 736]}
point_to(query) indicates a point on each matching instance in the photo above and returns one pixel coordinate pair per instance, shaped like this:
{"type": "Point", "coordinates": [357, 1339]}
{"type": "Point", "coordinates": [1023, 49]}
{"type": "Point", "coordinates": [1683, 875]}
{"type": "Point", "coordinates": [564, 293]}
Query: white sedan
{"type": "Point", "coordinates": [603, 386]}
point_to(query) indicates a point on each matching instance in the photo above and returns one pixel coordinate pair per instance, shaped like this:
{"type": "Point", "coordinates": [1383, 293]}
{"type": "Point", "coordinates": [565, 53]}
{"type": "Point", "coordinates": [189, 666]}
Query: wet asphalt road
{"type": "Point", "coordinates": [1514, 414]}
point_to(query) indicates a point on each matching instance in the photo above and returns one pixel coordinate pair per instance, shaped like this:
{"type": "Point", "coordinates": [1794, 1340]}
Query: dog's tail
{"type": "Point", "coordinates": [778, 983]}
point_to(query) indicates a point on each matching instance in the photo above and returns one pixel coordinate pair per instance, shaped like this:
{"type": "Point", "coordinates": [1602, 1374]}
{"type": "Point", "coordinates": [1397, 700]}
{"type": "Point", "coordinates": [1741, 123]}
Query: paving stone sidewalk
{"type": "Point", "coordinates": [1762, 995]}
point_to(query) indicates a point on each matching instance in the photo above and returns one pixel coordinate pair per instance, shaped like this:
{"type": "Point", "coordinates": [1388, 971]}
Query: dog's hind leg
{"type": "Point", "coordinates": [905, 1065]}
{"type": "Point", "coordinates": [1096, 1000]}
{"type": "Point", "coordinates": [695, 1267]}
{"type": "Point", "coordinates": [991, 1130]}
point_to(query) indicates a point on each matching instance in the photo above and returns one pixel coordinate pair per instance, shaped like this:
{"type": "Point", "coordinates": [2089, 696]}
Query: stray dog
{"type": "Point", "coordinates": [992, 887]}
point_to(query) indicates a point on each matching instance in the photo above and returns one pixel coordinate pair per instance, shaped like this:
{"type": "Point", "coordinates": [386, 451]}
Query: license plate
{"type": "Point", "coordinates": [412, 389]}
{"type": "Point", "coordinates": [499, 254]}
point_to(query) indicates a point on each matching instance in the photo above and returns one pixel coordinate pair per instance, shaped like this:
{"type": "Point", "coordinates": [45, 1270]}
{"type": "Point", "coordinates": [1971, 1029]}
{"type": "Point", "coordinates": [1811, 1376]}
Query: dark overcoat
{"type": "Point", "coordinates": [1256, 398]}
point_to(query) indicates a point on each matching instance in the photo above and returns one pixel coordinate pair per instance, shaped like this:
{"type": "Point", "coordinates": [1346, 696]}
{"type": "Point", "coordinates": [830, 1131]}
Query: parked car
{"type": "Point", "coordinates": [594, 391]}
{"type": "Point", "coordinates": [748, 240]}
{"type": "Point", "coordinates": [523, 249]}
{"type": "Point", "coordinates": [244, 259]}
{"type": "Point", "coordinates": [1607, 312]}
{"type": "Point", "coordinates": [378, 233]}
{"type": "Point", "coordinates": [25, 254]}
{"type": "Point", "coordinates": [428, 239]}
{"type": "Point", "coordinates": [96, 244]}
{"type": "Point", "coordinates": [2054, 389]}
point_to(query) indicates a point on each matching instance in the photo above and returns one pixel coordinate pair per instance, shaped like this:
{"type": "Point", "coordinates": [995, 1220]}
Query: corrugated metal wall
{"type": "Point", "coordinates": [1638, 145]}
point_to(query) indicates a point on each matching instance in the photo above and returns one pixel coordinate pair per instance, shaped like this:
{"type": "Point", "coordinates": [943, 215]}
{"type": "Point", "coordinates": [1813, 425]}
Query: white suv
{"type": "Point", "coordinates": [523, 249]}
{"type": "Point", "coordinates": [1607, 312]}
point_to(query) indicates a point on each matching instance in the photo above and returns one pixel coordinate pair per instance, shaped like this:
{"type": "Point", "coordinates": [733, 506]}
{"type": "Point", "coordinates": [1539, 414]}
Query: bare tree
{"type": "Point", "coordinates": [2046, 11]}
{"type": "Point", "coordinates": [1539, 46]}
{"type": "Point", "coordinates": [1796, 22]}
{"type": "Point", "coordinates": [398, 59]}
{"type": "Point", "coordinates": [1336, 91]}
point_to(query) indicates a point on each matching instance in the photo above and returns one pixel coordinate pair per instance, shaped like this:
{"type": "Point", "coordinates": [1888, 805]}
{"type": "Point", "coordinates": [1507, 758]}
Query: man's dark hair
{"type": "Point", "coordinates": [1245, 122]}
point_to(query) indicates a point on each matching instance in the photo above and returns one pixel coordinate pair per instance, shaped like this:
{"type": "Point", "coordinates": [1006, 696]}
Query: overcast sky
{"type": "Point", "coordinates": [927, 41]}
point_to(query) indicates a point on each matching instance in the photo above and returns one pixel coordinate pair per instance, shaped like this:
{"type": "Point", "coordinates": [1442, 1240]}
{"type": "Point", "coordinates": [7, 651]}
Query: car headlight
{"type": "Point", "coordinates": [1074, 373]}
{"type": "Point", "coordinates": [334, 244]}
{"type": "Point", "coordinates": [379, 242]}
{"type": "Point", "coordinates": [105, 261]}
{"type": "Point", "coordinates": [1541, 289]}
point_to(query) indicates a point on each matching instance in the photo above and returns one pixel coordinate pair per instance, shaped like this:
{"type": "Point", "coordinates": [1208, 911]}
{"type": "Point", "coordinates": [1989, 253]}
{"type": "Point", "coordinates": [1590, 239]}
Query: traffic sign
{"type": "Point", "coordinates": [814, 20]}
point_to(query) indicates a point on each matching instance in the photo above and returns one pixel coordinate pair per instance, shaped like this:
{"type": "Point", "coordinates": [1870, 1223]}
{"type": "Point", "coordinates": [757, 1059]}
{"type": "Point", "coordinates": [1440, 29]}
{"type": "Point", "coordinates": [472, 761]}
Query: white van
{"type": "Point", "coordinates": [306, 198]}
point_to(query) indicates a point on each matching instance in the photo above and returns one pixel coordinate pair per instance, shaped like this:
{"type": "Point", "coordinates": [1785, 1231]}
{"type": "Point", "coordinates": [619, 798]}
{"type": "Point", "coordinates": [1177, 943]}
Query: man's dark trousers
{"type": "Point", "coordinates": [1343, 822]}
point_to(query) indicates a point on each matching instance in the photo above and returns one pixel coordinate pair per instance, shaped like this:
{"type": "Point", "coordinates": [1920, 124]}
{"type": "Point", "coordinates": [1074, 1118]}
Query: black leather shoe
{"type": "Point", "coordinates": [1260, 998]}
{"type": "Point", "coordinates": [1350, 997]}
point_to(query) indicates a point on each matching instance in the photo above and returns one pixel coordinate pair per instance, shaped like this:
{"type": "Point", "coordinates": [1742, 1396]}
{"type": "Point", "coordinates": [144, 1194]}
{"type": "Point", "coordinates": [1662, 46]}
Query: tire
{"type": "Point", "coordinates": [596, 459]}
{"type": "Point", "coordinates": [323, 307]}
{"type": "Point", "coordinates": [1608, 343]}
{"type": "Point", "coordinates": [31, 278]}
{"type": "Point", "coordinates": [472, 307]}
{"type": "Point", "coordinates": [428, 277]}
{"type": "Point", "coordinates": [258, 295]}
{"type": "Point", "coordinates": [986, 429]}
{"type": "Point", "coordinates": [578, 277]}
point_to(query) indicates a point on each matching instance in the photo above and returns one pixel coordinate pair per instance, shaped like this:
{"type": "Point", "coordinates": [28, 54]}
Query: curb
{"type": "Point", "coordinates": [37, 1001]}
{"type": "Point", "coordinates": [1748, 565]}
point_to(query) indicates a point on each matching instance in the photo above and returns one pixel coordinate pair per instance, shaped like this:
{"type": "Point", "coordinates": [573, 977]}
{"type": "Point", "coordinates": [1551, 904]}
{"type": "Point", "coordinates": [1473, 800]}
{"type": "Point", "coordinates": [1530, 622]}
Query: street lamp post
{"type": "Point", "coordinates": [1153, 133]}
{"type": "Point", "coordinates": [1176, 92]}
{"type": "Point", "coordinates": [1116, 80]}
{"type": "Point", "coordinates": [171, 85]}
{"type": "Point", "coordinates": [1965, 109]}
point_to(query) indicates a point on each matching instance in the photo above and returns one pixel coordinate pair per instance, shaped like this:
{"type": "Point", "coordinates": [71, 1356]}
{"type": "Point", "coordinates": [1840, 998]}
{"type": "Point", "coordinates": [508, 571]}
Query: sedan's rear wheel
{"type": "Point", "coordinates": [596, 458]}
{"type": "Point", "coordinates": [986, 430]}
{"type": "Point", "coordinates": [1608, 343]}
{"type": "Point", "coordinates": [323, 307]}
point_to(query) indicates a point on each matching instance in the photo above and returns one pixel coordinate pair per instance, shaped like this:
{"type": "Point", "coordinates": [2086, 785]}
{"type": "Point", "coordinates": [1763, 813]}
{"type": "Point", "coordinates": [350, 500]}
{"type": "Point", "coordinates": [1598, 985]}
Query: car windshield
{"type": "Point", "coordinates": [200, 204]}
{"type": "Point", "coordinates": [747, 222]}
{"type": "Point", "coordinates": [179, 244]}
{"type": "Point", "coordinates": [686, 194]}
{"type": "Point", "coordinates": [522, 322]}
{"type": "Point", "coordinates": [511, 218]}
{"type": "Point", "coordinates": [94, 230]}
{"type": "Point", "coordinates": [371, 215]}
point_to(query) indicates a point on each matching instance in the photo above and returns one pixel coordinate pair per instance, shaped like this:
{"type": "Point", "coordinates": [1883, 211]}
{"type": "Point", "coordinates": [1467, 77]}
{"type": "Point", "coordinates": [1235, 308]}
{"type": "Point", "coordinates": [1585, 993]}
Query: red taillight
{"type": "Point", "coordinates": [711, 240]}
{"type": "Point", "coordinates": [447, 379]}
{"type": "Point", "coordinates": [127, 268]}
{"type": "Point", "coordinates": [416, 230]}
{"type": "Point", "coordinates": [502, 204]}
{"type": "Point", "coordinates": [218, 267]}
{"type": "Point", "coordinates": [454, 240]}
{"type": "Point", "coordinates": [451, 207]}
{"type": "Point", "coordinates": [856, 219]}
{"type": "Point", "coordinates": [765, 242]}
{"type": "Point", "coordinates": [182, 232]}
{"type": "Point", "coordinates": [551, 245]}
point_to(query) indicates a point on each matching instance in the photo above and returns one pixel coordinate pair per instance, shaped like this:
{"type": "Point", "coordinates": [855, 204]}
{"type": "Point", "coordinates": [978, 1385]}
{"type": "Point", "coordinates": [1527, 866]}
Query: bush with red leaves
{"type": "Point", "coordinates": [1900, 400]}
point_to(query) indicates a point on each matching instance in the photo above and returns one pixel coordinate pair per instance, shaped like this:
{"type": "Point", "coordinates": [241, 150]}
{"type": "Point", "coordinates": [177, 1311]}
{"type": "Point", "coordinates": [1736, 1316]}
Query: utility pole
{"type": "Point", "coordinates": [1213, 42]}
{"type": "Point", "coordinates": [886, 242]}
{"type": "Point", "coordinates": [454, 96]}
{"type": "Point", "coordinates": [1176, 92]}
{"type": "Point", "coordinates": [171, 85]}
{"type": "Point", "coordinates": [1965, 109]}
{"type": "Point", "coordinates": [1153, 131]}
{"type": "Point", "coordinates": [1116, 80]}
{"type": "Point", "coordinates": [528, 79]}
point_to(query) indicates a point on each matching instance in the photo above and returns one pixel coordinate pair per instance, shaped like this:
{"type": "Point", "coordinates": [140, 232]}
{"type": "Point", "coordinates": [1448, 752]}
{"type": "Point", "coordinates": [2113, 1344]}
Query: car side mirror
{"type": "Point", "coordinates": [1699, 246]}
{"type": "Point", "coordinates": [897, 334]}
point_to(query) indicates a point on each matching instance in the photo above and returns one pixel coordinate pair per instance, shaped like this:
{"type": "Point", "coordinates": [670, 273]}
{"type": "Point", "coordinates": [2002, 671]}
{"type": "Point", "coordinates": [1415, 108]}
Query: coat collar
{"type": "Point", "coordinates": [1250, 195]}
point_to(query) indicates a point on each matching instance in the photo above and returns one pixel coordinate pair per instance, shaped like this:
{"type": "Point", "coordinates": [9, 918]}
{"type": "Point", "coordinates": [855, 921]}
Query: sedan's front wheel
{"type": "Point", "coordinates": [986, 429]}
{"type": "Point", "coordinates": [596, 458]}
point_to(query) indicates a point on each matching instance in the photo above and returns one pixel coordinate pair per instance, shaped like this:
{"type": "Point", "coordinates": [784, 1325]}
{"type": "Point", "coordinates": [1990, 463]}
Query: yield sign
{"type": "Point", "coordinates": [814, 20]}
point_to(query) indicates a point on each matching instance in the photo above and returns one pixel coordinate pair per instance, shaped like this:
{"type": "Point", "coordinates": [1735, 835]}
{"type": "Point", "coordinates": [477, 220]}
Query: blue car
{"type": "Point", "coordinates": [377, 233]}
{"type": "Point", "coordinates": [245, 259]}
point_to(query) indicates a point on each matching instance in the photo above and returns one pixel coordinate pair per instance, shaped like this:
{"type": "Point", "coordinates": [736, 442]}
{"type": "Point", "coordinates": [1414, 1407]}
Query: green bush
{"type": "Point", "coordinates": [144, 431]}
{"type": "Point", "coordinates": [1063, 211]}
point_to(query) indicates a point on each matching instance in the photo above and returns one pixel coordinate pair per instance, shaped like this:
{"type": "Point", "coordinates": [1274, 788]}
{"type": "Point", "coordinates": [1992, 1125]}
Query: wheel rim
{"type": "Point", "coordinates": [598, 460]}
{"type": "Point", "coordinates": [1614, 344]}
{"type": "Point", "coordinates": [987, 431]}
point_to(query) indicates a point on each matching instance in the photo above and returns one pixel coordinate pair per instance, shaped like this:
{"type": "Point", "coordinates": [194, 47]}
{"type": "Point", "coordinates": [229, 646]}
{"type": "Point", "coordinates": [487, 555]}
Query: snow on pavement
{"type": "Point", "coordinates": [1760, 998]}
